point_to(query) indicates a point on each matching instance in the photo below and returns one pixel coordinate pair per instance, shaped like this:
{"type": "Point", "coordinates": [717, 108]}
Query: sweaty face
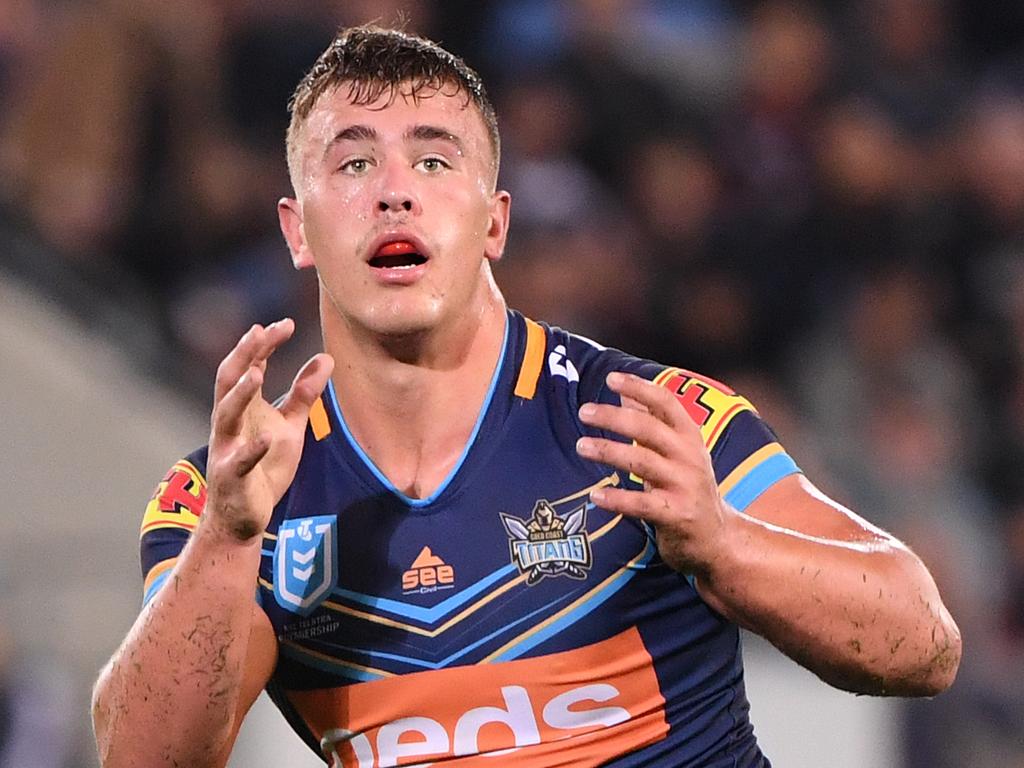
{"type": "Point", "coordinates": [396, 210]}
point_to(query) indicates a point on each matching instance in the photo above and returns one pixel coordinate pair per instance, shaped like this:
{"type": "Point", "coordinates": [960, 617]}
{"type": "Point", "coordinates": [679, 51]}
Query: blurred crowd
{"type": "Point", "coordinates": [821, 203]}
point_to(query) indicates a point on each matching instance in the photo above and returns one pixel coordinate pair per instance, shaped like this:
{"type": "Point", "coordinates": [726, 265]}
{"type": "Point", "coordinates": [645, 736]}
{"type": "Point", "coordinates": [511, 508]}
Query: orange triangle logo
{"type": "Point", "coordinates": [426, 558]}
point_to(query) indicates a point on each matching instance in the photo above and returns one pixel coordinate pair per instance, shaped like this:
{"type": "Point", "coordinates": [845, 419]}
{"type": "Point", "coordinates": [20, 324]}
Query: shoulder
{"type": "Point", "coordinates": [179, 497]}
{"type": "Point", "coordinates": [558, 358]}
{"type": "Point", "coordinates": [171, 515]}
{"type": "Point", "coordinates": [566, 360]}
{"type": "Point", "coordinates": [746, 455]}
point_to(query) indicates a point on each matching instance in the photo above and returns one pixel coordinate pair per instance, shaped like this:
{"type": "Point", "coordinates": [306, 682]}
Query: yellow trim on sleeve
{"type": "Point", "coordinates": [747, 465]}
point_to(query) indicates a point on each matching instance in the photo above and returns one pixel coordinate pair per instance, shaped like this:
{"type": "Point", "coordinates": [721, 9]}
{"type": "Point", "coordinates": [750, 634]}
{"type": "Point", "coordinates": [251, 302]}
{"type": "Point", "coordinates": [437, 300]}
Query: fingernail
{"type": "Point", "coordinates": [615, 379]}
{"type": "Point", "coordinates": [583, 446]}
{"type": "Point", "coordinates": [597, 495]}
{"type": "Point", "coordinates": [587, 410]}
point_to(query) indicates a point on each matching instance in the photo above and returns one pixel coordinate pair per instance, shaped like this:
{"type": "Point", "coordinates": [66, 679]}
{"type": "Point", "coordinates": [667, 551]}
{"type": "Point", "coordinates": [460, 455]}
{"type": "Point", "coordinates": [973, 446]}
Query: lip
{"type": "Point", "coordinates": [398, 275]}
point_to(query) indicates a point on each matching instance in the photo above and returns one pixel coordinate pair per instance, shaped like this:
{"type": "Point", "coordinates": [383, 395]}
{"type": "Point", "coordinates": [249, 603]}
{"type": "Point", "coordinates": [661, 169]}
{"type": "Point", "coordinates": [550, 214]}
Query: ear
{"type": "Point", "coordinates": [497, 230]}
{"type": "Point", "coordinates": [289, 214]}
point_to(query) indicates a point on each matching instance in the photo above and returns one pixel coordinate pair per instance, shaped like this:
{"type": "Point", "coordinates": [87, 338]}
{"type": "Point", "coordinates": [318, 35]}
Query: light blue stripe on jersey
{"type": "Point", "coordinates": [448, 661]}
{"type": "Point", "coordinates": [354, 673]}
{"type": "Point", "coordinates": [333, 397]}
{"type": "Point", "coordinates": [426, 615]}
{"type": "Point", "coordinates": [155, 586]}
{"type": "Point", "coordinates": [582, 610]}
{"type": "Point", "coordinates": [760, 479]}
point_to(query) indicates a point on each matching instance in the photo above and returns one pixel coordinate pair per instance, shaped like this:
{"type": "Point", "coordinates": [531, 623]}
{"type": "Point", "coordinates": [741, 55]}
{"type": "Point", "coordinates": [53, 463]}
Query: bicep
{"type": "Point", "coordinates": [796, 504]}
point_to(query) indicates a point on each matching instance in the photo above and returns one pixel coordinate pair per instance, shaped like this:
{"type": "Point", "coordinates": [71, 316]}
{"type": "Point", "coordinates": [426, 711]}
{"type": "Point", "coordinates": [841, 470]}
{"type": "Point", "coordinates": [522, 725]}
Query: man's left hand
{"type": "Point", "coordinates": [680, 496]}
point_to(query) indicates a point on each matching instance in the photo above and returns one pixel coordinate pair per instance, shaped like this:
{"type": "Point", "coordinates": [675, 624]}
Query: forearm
{"type": "Point", "coordinates": [864, 616]}
{"type": "Point", "coordinates": [170, 693]}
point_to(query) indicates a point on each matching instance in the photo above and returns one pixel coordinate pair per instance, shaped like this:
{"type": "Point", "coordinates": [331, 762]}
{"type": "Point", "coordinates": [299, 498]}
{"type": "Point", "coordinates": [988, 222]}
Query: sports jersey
{"type": "Point", "coordinates": [505, 614]}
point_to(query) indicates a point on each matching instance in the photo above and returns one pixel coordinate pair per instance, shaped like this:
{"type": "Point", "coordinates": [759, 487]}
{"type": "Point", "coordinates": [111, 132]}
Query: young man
{"type": "Point", "coordinates": [470, 534]}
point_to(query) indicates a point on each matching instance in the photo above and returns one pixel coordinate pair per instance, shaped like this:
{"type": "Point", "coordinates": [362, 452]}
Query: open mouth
{"type": "Point", "coordinates": [398, 255]}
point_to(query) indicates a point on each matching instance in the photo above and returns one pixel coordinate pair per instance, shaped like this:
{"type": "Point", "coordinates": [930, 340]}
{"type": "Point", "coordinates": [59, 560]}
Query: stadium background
{"type": "Point", "coordinates": [820, 203]}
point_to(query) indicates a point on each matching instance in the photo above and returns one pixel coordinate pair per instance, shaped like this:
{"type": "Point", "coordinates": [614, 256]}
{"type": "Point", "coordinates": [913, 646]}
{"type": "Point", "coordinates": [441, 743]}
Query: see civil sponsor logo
{"type": "Point", "coordinates": [428, 573]}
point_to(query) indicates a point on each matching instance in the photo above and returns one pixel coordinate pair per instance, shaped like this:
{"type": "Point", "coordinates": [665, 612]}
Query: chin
{"type": "Point", "coordinates": [401, 320]}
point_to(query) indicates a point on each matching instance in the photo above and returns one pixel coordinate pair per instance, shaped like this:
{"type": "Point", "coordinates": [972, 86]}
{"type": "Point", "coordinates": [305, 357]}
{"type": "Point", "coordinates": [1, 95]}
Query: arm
{"type": "Point", "coordinates": [842, 598]}
{"type": "Point", "coordinates": [192, 665]}
{"type": "Point", "coordinates": [839, 596]}
{"type": "Point", "coordinates": [176, 690]}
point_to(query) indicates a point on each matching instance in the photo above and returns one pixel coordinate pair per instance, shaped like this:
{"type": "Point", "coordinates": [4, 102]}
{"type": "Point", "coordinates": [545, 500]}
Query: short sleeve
{"type": "Point", "coordinates": [170, 517]}
{"type": "Point", "coordinates": [745, 453]}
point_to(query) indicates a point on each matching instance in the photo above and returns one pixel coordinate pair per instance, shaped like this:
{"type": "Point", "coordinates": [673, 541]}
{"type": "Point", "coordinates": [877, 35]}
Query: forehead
{"type": "Point", "coordinates": [391, 115]}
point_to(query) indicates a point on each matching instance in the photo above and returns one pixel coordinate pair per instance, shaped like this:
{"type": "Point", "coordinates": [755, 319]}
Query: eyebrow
{"type": "Point", "coordinates": [432, 133]}
{"type": "Point", "coordinates": [354, 133]}
{"type": "Point", "coordinates": [419, 132]}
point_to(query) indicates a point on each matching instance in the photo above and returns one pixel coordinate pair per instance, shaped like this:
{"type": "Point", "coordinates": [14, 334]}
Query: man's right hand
{"type": "Point", "coordinates": [254, 446]}
{"type": "Point", "coordinates": [176, 690]}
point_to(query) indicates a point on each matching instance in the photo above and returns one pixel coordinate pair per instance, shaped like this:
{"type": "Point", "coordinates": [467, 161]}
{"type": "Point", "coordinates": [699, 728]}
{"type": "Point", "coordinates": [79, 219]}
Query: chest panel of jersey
{"type": "Point", "coordinates": [506, 614]}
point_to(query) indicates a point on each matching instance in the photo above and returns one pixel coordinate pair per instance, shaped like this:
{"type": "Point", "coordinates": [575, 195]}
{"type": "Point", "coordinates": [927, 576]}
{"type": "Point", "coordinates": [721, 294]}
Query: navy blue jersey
{"type": "Point", "coordinates": [505, 614]}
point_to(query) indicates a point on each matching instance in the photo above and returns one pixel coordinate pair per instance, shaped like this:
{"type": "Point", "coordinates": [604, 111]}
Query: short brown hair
{"type": "Point", "coordinates": [374, 61]}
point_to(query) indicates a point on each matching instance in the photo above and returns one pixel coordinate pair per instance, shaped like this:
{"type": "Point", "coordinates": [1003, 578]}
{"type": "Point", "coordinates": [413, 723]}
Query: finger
{"type": "Point", "coordinates": [630, 457]}
{"type": "Point", "coordinates": [237, 362]}
{"type": "Point", "coordinates": [277, 333]}
{"type": "Point", "coordinates": [658, 400]}
{"type": "Point", "coordinates": [253, 348]}
{"type": "Point", "coordinates": [309, 383]}
{"type": "Point", "coordinates": [652, 507]}
{"type": "Point", "coordinates": [249, 454]}
{"type": "Point", "coordinates": [628, 402]}
{"type": "Point", "coordinates": [634, 424]}
{"type": "Point", "coordinates": [229, 413]}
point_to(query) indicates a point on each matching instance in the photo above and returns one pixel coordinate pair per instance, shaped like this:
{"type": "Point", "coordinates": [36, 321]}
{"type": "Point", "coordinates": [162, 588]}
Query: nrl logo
{"type": "Point", "coordinates": [305, 562]}
{"type": "Point", "coordinates": [549, 545]}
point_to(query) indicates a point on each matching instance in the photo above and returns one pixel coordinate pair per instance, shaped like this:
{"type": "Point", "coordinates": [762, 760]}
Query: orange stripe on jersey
{"type": "Point", "coordinates": [154, 573]}
{"type": "Point", "coordinates": [582, 707]}
{"type": "Point", "coordinates": [662, 377]}
{"type": "Point", "coordinates": [318, 420]}
{"type": "Point", "coordinates": [533, 360]}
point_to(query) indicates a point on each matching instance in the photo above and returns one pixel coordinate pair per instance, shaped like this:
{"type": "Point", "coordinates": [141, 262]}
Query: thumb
{"type": "Point", "coordinates": [307, 386]}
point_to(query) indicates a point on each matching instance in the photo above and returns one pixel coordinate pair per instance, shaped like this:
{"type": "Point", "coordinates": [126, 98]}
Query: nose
{"type": "Point", "coordinates": [395, 202]}
{"type": "Point", "coordinates": [397, 194]}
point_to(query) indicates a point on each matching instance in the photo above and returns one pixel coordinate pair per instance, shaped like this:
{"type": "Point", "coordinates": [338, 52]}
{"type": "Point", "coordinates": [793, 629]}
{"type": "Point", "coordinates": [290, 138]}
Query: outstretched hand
{"type": "Point", "coordinates": [680, 496]}
{"type": "Point", "coordinates": [255, 446]}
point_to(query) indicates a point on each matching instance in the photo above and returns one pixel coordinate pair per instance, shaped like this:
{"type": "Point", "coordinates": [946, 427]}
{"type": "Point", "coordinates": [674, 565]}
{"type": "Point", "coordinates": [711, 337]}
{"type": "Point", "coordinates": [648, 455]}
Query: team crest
{"type": "Point", "coordinates": [305, 562]}
{"type": "Point", "coordinates": [548, 544]}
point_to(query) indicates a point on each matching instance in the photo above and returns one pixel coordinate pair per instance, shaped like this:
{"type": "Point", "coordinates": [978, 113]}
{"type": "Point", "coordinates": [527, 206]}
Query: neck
{"type": "Point", "coordinates": [411, 401]}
